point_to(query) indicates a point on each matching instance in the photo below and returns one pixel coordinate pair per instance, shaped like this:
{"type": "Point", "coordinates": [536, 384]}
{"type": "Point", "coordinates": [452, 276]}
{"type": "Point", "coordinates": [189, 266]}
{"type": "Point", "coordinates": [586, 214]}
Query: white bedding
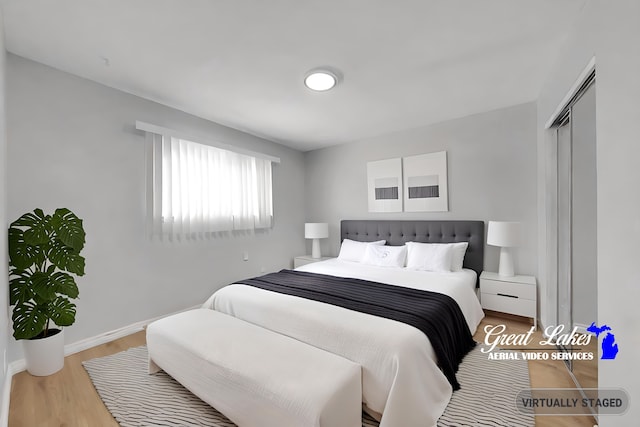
{"type": "Point", "coordinates": [187, 346]}
{"type": "Point", "coordinates": [400, 376]}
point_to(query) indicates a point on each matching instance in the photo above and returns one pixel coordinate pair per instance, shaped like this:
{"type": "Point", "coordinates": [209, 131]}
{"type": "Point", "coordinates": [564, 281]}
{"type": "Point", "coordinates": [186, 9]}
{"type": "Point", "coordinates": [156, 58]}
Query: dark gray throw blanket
{"type": "Point", "coordinates": [438, 316]}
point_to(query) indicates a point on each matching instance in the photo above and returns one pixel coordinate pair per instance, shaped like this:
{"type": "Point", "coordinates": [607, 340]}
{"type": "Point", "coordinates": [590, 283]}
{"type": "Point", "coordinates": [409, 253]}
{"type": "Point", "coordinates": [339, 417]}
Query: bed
{"type": "Point", "coordinates": [403, 384]}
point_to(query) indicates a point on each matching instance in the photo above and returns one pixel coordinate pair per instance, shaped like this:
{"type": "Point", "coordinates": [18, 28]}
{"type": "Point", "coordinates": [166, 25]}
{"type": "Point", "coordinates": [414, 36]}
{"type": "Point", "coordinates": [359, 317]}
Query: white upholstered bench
{"type": "Point", "coordinates": [256, 377]}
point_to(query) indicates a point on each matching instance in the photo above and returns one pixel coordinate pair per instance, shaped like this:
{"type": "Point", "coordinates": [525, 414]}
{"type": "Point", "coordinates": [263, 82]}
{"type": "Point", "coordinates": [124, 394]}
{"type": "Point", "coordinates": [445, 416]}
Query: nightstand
{"type": "Point", "coordinates": [301, 260]}
{"type": "Point", "coordinates": [514, 295]}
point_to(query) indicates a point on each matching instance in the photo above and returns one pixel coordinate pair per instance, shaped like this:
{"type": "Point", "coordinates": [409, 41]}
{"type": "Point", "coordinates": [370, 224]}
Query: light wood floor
{"type": "Point", "coordinates": [542, 374]}
{"type": "Point", "coordinates": [68, 398]}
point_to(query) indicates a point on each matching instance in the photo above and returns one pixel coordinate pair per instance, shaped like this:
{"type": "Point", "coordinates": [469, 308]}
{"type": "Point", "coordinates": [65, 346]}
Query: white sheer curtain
{"type": "Point", "coordinates": [199, 189]}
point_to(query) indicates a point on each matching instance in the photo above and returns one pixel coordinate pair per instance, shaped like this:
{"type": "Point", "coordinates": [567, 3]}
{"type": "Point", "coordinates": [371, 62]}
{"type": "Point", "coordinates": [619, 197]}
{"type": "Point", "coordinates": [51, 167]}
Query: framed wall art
{"type": "Point", "coordinates": [425, 183]}
{"type": "Point", "coordinates": [384, 183]}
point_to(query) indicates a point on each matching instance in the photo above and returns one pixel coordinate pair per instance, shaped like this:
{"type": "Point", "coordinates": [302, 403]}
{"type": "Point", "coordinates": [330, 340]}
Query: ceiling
{"type": "Point", "coordinates": [241, 63]}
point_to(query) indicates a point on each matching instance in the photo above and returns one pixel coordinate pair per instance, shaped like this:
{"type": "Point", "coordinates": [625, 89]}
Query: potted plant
{"type": "Point", "coordinates": [44, 254]}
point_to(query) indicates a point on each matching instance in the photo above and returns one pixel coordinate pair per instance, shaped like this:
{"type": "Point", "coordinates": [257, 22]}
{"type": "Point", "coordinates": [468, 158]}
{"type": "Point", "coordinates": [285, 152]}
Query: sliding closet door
{"type": "Point", "coordinates": [564, 224]}
{"type": "Point", "coordinates": [584, 295]}
{"type": "Point", "coordinates": [577, 222]}
{"type": "Point", "coordinates": [584, 212]}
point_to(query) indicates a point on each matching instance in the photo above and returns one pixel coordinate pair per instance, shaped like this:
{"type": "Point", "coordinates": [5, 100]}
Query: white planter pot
{"type": "Point", "coordinates": [44, 356]}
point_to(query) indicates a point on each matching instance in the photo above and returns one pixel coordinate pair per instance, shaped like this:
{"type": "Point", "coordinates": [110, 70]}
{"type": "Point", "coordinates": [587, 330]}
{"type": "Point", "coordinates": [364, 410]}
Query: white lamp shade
{"type": "Point", "coordinates": [504, 234]}
{"type": "Point", "coordinates": [316, 230]}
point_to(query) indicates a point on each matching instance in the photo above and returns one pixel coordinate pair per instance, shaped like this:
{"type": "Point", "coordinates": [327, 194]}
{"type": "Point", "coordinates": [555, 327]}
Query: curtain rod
{"type": "Point", "coordinates": [148, 127]}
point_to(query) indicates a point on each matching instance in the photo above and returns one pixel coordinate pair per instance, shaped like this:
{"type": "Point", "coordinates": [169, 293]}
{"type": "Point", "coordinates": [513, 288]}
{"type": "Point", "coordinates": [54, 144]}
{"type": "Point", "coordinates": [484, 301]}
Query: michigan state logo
{"type": "Point", "coordinates": [609, 346]}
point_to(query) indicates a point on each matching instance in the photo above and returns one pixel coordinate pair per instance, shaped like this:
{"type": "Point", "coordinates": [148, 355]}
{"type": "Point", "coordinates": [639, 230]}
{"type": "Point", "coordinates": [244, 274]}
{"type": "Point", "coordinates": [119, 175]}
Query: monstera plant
{"type": "Point", "coordinates": [44, 256]}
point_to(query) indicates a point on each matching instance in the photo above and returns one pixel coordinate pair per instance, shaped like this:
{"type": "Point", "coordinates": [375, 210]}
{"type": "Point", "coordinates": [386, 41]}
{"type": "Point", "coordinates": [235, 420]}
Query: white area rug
{"type": "Point", "coordinates": [135, 398]}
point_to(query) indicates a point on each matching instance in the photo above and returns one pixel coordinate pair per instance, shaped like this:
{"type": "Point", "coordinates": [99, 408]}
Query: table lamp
{"type": "Point", "coordinates": [506, 235]}
{"type": "Point", "coordinates": [316, 231]}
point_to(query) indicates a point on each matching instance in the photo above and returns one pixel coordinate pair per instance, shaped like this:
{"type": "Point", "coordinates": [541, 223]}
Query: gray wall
{"type": "Point", "coordinates": [72, 144]}
{"type": "Point", "coordinates": [4, 291]}
{"type": "Point", "coordinates": [610, 31]}
{"type": "Point", "coordinates": [491, 175]}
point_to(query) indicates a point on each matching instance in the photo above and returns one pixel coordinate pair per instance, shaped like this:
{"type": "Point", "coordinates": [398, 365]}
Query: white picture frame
{"type": "Point", "coordinates": [425, 183]}
{"type": "Point", "coordinates": [384, 184]}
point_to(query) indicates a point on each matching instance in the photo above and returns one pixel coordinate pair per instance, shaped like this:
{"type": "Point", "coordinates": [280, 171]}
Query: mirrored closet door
{"type": "Point", "coordinates": [576, 219]}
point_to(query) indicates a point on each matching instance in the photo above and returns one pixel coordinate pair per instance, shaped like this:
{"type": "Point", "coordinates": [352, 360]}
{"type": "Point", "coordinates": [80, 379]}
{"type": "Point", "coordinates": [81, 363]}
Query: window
{"type": "Point", "coordinates": [198, 189]}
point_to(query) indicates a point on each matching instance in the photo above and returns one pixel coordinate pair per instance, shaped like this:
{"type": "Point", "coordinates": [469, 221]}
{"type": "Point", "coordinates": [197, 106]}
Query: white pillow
{"type": "Point", "coordinates": [429, 256]}
{"type": "Point", "coordinates": [354, 251]}
{"type": "Point", "coordinates": [457, 256]}
{"type": "Point", "coordinates": [385, 256]}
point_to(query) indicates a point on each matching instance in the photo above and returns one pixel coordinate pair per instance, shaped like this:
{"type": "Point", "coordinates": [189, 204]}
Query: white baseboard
{"type": "Point", "coordinates": [20, 365]}
{"type": "Point", "coordinates": [105, 337]}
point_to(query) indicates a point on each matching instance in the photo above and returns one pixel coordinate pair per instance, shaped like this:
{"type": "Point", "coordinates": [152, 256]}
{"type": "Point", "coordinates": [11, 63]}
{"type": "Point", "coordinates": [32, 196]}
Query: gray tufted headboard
{"type": "Point", "coordinates": [397, 233]}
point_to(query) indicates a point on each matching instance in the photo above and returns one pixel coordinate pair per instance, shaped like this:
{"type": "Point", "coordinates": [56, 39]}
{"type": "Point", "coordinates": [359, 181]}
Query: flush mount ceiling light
{"type": "Point", "coordinates": [321, 79]}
